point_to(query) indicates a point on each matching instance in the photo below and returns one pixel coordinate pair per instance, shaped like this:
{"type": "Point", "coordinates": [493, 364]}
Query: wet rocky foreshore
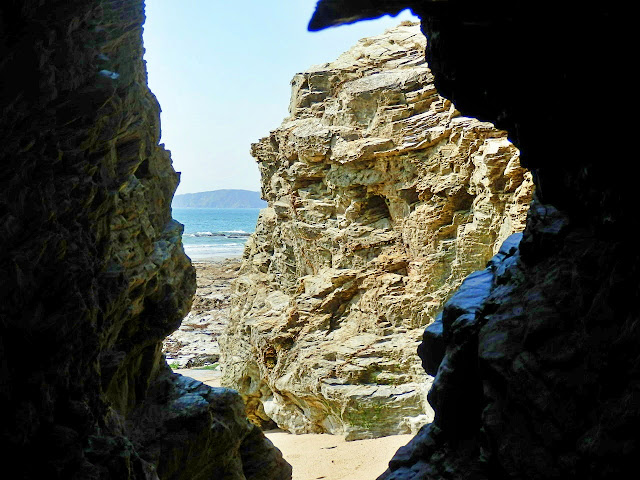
{"type": "Point", "coordinates": [195, 343]}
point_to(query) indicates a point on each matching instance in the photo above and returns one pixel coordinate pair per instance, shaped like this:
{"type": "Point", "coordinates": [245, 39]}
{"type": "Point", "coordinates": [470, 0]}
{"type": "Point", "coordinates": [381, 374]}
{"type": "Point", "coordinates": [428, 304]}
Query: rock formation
{"type": "Point", "coordinates": [382, 198]}
{"type": "Point", "coordinates": [537, 374]}
{"type": "Point", "coordinates": [544, 365]}
{"type": "Point", "coordinates": [92, 268]}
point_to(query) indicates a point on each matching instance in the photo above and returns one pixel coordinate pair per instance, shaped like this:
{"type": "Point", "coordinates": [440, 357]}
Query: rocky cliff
{"type": "Point", "coordinates": [537, 374]}
{"type": "Point", "coordinates": [382, 198]}
{"type": "Point", "coordinates": [92, 268]}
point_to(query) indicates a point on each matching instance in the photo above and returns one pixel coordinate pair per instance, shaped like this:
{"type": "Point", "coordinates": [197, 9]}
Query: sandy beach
{"type": "Point", "coordinates": [330, 457]}
{"type": "Point", "coordinates": [312, 456]}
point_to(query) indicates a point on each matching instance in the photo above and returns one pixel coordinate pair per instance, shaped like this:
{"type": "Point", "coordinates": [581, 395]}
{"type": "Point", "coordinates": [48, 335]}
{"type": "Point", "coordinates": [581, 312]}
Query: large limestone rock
{"type": "Point", "coordinates": [92, 271]}
{"type": "Point", "coordinates": [382, 198]}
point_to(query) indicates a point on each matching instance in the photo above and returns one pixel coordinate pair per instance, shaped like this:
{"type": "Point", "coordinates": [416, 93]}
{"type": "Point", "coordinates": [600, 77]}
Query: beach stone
{"type": "Point", "coordinates": [381, 199]}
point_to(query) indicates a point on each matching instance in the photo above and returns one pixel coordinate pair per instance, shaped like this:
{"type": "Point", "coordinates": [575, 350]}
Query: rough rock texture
{"type": "Point", "coordinates": [92, 269]}
{"type": "Point", "coordinates": [382, 198]}
{"type": "Point", "coordinates": [538, 373]}
{"type": "Point", "coordinates": [526, 383]}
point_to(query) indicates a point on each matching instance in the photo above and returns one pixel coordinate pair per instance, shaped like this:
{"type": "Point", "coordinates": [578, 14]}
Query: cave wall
{"type": "Point", "coordinates": [92, 268]}
{"type": "Point", "coordinates": [536, 357]}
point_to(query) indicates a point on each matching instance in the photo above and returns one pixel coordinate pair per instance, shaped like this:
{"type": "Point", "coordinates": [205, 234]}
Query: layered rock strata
{"type": "Point", "coordinates": [537, 373]}
{"type": "Point", "coordinates": [382, 198]}
{"type": "Point", "coordinates": [92, 268]}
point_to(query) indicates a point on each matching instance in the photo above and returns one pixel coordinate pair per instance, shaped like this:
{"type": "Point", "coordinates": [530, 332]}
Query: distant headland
{"type": "Point", "coordinates": [219, 199]}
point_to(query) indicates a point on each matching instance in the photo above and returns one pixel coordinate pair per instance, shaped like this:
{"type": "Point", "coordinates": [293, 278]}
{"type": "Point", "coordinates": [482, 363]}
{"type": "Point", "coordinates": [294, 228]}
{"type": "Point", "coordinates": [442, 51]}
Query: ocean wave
{"type": "Point", "coordinates": [229, 234]}
{"type": "Point", "coordinates": [202, 252]}
{"type": "Point", "coordinates": [214, 246]}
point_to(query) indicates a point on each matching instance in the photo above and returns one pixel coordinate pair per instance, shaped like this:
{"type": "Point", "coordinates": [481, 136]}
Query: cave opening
{"type": "Point", "coordinates": [368, 238]}
{"type": "Point", "coordinates": [188, 131]}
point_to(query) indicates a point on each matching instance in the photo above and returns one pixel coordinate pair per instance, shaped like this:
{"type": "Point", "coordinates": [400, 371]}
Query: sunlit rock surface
{"type": "Point", "coordinates": [382, 198]}
{"type": "Point", "coordinates": [92, 268]}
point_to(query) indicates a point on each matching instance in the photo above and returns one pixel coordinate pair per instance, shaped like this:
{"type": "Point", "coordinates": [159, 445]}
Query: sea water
{"type": "Point", "coordinates": [215, 233]}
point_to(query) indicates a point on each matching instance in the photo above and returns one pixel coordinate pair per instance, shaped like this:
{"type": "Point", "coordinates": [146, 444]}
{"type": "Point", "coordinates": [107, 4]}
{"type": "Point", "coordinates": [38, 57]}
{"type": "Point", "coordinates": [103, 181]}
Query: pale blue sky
{"type": "Point", "coordinates": [221, 71]}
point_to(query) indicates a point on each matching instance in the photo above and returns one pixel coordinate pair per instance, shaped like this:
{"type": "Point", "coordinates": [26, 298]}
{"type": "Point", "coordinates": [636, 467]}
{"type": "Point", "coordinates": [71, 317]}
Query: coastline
{"type": "Point", "coordinates": [211, 235]}
{"type": "Point", "coordinates": [203, 261]}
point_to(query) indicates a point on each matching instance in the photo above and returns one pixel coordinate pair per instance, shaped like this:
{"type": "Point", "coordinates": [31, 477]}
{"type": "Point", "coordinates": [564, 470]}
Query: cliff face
{"type": "Point", "coordinates": [382, 198]}
{"type": "Point", "coordinates": [92, 268]}
{"type": "Point", "coordinates": [536, 356]}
